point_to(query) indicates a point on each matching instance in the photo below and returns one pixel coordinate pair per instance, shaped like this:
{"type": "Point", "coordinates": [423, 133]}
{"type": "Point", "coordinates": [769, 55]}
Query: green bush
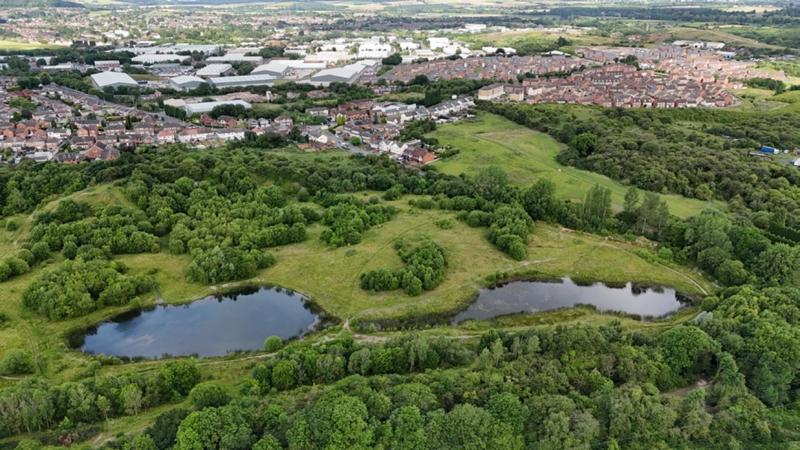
{"type": "Point", "coordinates": [16, 362]}
{"type": "Point", "coordinates": [209, 394]}
{"type": "Point", "coordinates": [273, 344]}
{"type": "Point", "coordinates": [12, 225]}
{"type": "Point", "coordinates": [40, 251]}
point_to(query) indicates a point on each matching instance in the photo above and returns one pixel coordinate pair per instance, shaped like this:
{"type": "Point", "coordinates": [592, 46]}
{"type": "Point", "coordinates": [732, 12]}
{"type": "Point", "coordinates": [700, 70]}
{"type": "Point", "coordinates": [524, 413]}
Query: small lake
{"type": "Point", "coordinates": [212, 326]}
{"type": "Point", "coordinates": [536, 296]}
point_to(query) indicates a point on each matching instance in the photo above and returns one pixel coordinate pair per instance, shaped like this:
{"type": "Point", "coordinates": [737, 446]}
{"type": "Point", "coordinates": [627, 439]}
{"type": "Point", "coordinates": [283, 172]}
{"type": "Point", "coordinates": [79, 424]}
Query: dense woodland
{"type": "Point", "coordinates": [576, 386]}
{"type": "Point", "coordinates": [562, 387]}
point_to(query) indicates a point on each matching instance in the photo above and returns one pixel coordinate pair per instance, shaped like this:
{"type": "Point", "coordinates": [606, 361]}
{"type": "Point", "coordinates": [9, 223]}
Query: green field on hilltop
{"type": "Point", "coordinates": [732, 36]}
{"type": "Point", "coordinates": [527, 155]}
{"type": "Point", "coordinates": [6, 44]}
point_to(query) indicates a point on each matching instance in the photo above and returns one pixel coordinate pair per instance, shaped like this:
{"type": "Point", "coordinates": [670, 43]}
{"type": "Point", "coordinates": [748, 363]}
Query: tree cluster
{"type": "Point", "coordinates": [425, 266]}
{"type": "Point", "coordinates": [116, 229]}
{"type": "Point", "coordinates": [34, 405]}
{"type": "Point", "coordinates": [349, 218]}
{"type": "Point", "coordinates": [76, 288]}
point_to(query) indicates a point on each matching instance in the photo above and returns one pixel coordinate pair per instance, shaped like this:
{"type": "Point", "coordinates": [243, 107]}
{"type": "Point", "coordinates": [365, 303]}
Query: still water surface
{"type": "Point", "coordinates": [212, 326]}
{"type": "Point", "coordinates": [534, 296]}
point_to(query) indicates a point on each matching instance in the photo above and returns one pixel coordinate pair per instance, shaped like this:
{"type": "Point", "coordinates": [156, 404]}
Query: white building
{"type": "Point", "coordinates": [186, 82]}
{"type": "Point", "coordinates": [63, 67]}
{"type": "Point", "coordinates": [242, 81]}
{"type": "Point", "coordinates": [110, 64]}
{"type": "Point", "coordinates": [112, 79]}
{"type": "Point", "coordinates": [40, 156]}
{"type": "Point", "coordinates": [408, 45]}
{"type": "Point", "coordinates": [145, 47]}
{"type": "Point", "coordinates": [438, 42]}
{"type": "Point", "coordinates": [214, 70]}
{"type": "Point", "coordinates": [346, 74]}
{"type": "Point", "coordinates": [372, 50]}
{"type": "Point", "coordinates": [236, 58]}
{"type": "Point", "coordinates": [153, 58]}
{"type": "Point", "coordinates": [299, 50]}
{"type": "Point", "coordinates": [207, 107]}
{"type": "Point", "coordinates": [281, 67]}
{"type": "Point", "coordinates": [329, 57]}
{"type": "Point", "coordinates": [230, 134]}
{"type": "Point", "coordinates": [474, 27]}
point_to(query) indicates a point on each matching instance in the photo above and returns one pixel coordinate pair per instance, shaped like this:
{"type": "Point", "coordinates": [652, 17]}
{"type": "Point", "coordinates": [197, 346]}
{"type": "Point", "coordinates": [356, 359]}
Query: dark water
{"type": "Point", "coordinates": [534, 296]}
{"type": "Point", "coordinates": [212, 326]}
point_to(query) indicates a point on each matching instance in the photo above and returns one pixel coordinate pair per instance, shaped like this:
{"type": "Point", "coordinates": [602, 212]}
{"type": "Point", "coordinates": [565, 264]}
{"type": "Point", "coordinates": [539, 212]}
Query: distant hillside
{"type": "Point", "coordinates": [212, 2]}
{"type": "Point", "coordinates": [41, 4]}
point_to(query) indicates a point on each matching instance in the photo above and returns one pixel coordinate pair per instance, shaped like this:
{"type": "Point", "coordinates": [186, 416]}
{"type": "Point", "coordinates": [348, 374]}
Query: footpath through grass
{"type": "Point", "coordinates": [527, 155]}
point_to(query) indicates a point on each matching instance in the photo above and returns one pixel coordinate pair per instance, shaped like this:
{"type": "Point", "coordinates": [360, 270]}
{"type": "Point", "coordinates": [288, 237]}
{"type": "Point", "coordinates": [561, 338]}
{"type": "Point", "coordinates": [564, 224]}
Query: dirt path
{"type": "Point", "coordinates": [662, 265]}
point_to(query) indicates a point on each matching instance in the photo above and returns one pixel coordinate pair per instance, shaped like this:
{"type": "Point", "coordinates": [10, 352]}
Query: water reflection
{"type": "Point", "coordinates": [212, 326]}
{"type": "Point", "coordinates": [535, 296]}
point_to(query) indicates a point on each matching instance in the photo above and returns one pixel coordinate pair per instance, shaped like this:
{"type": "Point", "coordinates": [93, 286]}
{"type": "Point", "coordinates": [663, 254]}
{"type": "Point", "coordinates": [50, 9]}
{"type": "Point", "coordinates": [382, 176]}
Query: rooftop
{"type": "Point", "coordinates": [347, 71]}
{"type": "Point", "coordinates": [185, 79]}
{"type": "Point", "coordinates": [110, 78]}
{"type": "Point", "coordinates": [281, 65]}
{"type": "Point", "coordinates": [242, 79]}
{"type": "Point", "coordinates": [196, 108]}
{"type": "Point", "coordinates": [213, 70]}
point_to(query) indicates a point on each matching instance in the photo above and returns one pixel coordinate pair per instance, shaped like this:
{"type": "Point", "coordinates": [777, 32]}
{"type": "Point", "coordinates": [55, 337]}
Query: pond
{"type": "Point", "coordinates": [536, 296]}
{"type": "Point", "coordinates": [212, 326]}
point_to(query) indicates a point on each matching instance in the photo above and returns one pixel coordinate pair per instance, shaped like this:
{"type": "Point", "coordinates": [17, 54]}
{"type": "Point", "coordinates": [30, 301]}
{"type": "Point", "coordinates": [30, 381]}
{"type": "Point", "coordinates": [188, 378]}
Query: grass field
{"type": "Point", "coordinates": [331, 276]}
{"type": "Point", "coordinates": [755, 99]}
{"type": "Point", "coordinates": [788, 97]}
{"type": "Point", "coordinates": [711, 34]}
{"type": "Point", "coordinates": [527, 155]}
{"type": "Point", "coordinates": [6, 44]}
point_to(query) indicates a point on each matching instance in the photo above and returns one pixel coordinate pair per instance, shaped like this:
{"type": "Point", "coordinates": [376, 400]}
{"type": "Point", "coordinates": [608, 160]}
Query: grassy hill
{"type": "Point", "coordinates": [527, 155]}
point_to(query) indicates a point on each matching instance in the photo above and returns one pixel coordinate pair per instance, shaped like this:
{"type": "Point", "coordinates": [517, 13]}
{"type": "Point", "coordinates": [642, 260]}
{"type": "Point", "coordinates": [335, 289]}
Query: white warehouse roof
{"type": "Point", "coordinates": [235, 57]}
{"type": "Point", "coordinates": [278, 67]}
{"type": "Point", "coordinates": [113, 79]}
{"type": "Point", "coordinates": [243, 80]}
{"type": "Point", "coordinates": [213, 70]}
{"type": "Point", "coordinates": [207, 49]}
{"type": "Point", "coordinates": [158, 58]}
{"type": "Point", "coordinates": [186, 81]}
{"type": "Point", "coordinates": [345, 74]}
{"type": "Point", "coordinates": [206, 107]}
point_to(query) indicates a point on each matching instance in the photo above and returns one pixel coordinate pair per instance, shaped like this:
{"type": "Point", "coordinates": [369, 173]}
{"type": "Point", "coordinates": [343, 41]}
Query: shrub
{"type": "Point", "coordinates": [209, 394]}
{"type": "Point", "coordinates": [273, 344]}
{"type": "Point", "coordinates": [12, 225]}
{"type": "Point", "coordinates": [16, 362]}
{"type": "Point", "coordinates": [444, 224]}
{"type": "Point", "coordinates": [165, 427]}
{"type": "Point", "coordinates": [5, 271]}
{"type": "Point", "coordinates": [40, 251]}
{"type": "Point", "coordinates": [17, 266]}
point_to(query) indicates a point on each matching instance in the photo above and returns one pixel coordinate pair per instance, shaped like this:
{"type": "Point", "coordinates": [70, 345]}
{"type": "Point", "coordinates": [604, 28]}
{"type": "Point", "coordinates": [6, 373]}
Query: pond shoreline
{"type": "Point", "coordinates": [235, 317]}
{"type": "Point", "coordinates": [495, 281]}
